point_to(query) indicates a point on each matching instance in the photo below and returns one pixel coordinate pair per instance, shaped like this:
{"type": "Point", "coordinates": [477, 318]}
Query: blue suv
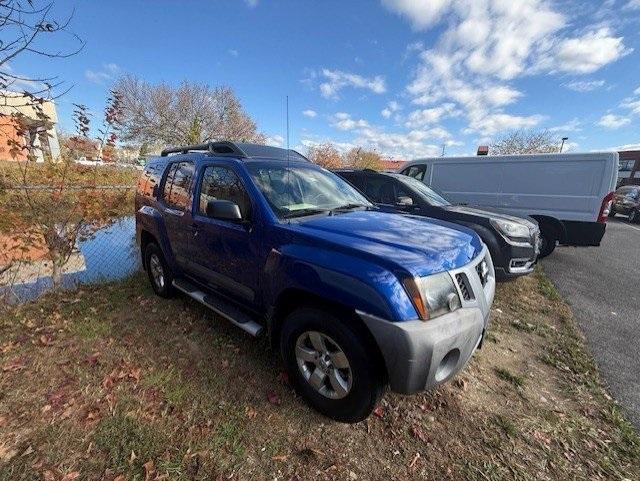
{"type": "Point", "coordinates": [353, 298]}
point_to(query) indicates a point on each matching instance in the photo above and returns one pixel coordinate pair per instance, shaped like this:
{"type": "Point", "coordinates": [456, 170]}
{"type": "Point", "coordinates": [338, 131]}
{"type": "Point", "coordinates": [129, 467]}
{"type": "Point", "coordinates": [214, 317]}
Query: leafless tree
{"type": "Point", "coordinates": [26, 28]}
{"type": "Point", "coordinates": [192, 112]}
{"type": "Point", "coordinates": [526, 142]}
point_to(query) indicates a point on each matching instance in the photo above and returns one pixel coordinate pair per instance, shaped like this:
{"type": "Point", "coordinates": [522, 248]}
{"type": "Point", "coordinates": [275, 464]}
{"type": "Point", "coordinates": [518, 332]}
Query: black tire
{"type": "Point", "coordinates": [634, 217]}
{"type": "Point", "coordinates": [366, 378]}
{"type": "Point", "coordinates": [548, 240]}
{"type": "Point", "coordinates": [153, 253]}
{"type": "Point", "coordinates": [612, 211]}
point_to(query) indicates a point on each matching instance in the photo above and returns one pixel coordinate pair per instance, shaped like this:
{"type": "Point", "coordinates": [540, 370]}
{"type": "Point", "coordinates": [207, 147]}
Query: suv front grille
{"type": "Point", "coordinates": [465, 289]}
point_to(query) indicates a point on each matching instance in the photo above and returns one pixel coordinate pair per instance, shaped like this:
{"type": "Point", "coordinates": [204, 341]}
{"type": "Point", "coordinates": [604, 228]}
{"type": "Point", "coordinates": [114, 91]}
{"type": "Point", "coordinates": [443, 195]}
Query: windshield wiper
{"type": "Point", "coordinates": [303, 212]}
{"type": "Point", "coordinates": [348, 207]}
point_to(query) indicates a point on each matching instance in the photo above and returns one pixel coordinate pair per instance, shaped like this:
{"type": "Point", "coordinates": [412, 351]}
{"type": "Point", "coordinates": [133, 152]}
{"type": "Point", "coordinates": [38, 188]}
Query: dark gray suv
{"type": "Point", "coordinates": [626, 201]}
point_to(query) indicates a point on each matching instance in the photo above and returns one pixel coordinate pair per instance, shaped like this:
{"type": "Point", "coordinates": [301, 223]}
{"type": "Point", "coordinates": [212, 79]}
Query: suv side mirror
{"type": "Point", "coordinates": [404, 201]}
{"type": "Point", "coordinates": [223, 209]}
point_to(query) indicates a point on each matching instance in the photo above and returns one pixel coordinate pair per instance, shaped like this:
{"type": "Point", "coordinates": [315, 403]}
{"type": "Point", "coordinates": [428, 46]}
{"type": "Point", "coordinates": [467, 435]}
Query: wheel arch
{"type": "Point", "coordinates": [546, 222]}
{"type": "Point", "coordinates": [292, 299]}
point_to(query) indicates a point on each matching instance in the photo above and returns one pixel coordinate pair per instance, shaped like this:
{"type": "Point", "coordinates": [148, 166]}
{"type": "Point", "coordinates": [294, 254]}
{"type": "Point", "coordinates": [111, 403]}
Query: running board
{"type": "Point", "coordinates": [220, 307]}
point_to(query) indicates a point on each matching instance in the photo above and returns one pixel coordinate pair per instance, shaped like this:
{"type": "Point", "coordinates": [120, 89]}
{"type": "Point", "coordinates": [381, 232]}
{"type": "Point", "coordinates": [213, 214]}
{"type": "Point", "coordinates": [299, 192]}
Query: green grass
{"type": "Point", "coordinates": [120, 435]}
{"type": "Point", "coordinates": [508, 376]}
{"type": "Point", "coordinates": [506, 426]}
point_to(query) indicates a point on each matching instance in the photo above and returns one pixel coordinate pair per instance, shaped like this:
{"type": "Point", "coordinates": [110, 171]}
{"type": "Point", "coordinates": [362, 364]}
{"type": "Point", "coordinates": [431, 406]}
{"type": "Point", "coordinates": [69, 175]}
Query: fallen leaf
{"type": "Point", "coordinates": [27, 452]}
{"type": "Point", "coordinates": [120, 477]}
{"type": "Point", "coordinates": [71, 476]}
{"type": "Point", "coordinates": [418, 433]}
{"type": "Point", "coordinates": [149, 469]}
{"type": "Point", "coordinates": [3, 421]}
{"type": "Point", "coordinates": [250, 412]}
{"type": "Point", "coordinates": [93, 358]}
{"type": "Point", "coordinates": [379, 411]}
{"type": "Point", "coordinates": [46, 340]}
{"type": "Point", "coordinates": [6, 453]}
{"type": "Point", "coordinates": [273, 398]}
{"type": "Point", "coordinates": [48, 476]}
{"type": "Point", "coordinates": [13, 366]}
{"type": "Point", "coordinates": [415, 460]}
{"type": "Point", "coordinates": [284, 378]}
{"type": "Point", "coordinates": [280, 458]}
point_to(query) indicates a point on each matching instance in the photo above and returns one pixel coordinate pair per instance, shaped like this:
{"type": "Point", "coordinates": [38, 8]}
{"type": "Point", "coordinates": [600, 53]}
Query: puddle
{"type": "Point", "coordinates": [110, 254]}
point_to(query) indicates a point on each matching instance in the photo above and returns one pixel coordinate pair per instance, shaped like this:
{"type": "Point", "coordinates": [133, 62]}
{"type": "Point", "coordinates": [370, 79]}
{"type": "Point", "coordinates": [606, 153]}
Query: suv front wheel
{"type": "Point", "coordinates": [330, 365]}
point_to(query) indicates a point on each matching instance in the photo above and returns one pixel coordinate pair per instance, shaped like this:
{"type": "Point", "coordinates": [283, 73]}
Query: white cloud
{"type": "Point", "coordinates": [573, 125]}
{"type": "Point", "coordinates": [108, 72]}
{"type": "Point", "coordinates": [633, 5]}
{"type": "Point", "coordinates": [632, 104]}
{"type": "Point", "coordinates": [421, 13]}
{"type": "Point", "coordinates": [391, 107]}
{"type": "Point", "coordinates": [487, 44]}
{"type": "Point", "coordinates": [336, 80]}
{"type": "Point", "coordinates": [626, 147]}
{"type": "Point", "coordinates": [343, 121]}
{"type": "Point", "coordinates": [421, 118]}
{"type": "Point", "coordinates": [251, 3]}
{"type": "Point", "coordinates": [637, 91]}
{"type": "Point", "coordinates": [494, 123]}
{"type": "Point", "coordinates": [232, 52]}
{"type": "Point", "coordinates": [612, 121]}
{"type": "Point", "coordinates": [588, 53]}
{"type": "Point", "coordinates": [275, 140]}
{"type": "Point", "coordinates": [584, 85]}
{"type": "Point", "coordinates": [412, 143]}
{"type": "Point", "coordinates": [310, 113]}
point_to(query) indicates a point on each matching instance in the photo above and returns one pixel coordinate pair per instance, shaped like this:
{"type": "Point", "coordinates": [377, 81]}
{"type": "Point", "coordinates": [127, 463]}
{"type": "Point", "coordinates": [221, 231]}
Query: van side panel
{"type": "Point", "coordinates": [567, 187]}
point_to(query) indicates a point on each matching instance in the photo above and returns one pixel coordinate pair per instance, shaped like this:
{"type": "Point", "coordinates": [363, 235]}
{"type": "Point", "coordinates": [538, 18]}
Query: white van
{"type": "Point", "coordinates": [568, 194]}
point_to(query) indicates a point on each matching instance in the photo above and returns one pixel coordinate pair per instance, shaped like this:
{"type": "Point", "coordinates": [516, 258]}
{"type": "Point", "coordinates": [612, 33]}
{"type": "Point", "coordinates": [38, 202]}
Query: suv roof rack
{"type": "Point", "coordinates": [239, 150]}
{"type": "Point", "coordinates": [217, 148]}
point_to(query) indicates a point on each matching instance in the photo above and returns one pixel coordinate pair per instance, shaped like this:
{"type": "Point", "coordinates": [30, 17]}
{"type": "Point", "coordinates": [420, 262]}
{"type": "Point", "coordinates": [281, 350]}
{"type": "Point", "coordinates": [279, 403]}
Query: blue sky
{"type": "Point", "coordinates": [401, 76]}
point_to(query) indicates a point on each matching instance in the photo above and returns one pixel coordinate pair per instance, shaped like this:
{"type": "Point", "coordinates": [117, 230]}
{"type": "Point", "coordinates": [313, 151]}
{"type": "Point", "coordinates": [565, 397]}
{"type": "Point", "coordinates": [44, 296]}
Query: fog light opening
{"type": "Point", "coordinates": [447, 365]}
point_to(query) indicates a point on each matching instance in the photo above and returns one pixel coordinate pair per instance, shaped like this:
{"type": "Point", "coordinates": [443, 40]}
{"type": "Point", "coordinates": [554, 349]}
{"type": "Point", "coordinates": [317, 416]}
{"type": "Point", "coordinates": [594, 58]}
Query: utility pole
{"type": "Point", "coordinates": [444, 146]}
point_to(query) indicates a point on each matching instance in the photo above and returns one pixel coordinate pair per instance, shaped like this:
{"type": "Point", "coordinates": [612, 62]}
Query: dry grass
{"type": "Point", "coordinates": [111, 382]}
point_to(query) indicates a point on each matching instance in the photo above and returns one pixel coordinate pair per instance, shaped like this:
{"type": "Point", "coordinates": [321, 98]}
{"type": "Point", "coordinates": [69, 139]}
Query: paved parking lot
{"type": "Point", "coordinates": [602, 285]}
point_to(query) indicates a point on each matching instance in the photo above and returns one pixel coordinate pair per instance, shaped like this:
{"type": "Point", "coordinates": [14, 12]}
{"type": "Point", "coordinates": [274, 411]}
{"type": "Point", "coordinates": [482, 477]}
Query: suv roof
{"type": "Point", "coordinates": [239, 150]}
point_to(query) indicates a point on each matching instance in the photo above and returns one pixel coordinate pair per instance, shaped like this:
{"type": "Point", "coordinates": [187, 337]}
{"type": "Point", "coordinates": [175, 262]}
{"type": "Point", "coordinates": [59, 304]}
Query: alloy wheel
{"type": "Point", "coordinates": [323, 364]}
{"type": "Point", "coordinates": [157, 271]}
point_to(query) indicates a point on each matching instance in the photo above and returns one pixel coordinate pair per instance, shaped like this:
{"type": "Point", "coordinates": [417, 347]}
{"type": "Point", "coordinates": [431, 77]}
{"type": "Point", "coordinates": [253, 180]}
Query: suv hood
{"type": "Point", "coordinates": [423, 246]}
{"type": "Point", "coordinates": [490, 214]}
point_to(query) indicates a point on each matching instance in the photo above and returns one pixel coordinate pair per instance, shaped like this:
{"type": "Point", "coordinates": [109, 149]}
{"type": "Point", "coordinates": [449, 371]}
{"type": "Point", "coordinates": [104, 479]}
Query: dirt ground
{"type": "Point", "coordinates": [111, 382]}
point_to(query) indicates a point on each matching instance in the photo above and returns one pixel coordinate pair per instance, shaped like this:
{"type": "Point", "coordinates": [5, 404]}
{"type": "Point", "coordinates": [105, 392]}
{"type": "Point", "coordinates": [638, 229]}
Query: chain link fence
{"type": "Point", "coordinates": [62, 239]}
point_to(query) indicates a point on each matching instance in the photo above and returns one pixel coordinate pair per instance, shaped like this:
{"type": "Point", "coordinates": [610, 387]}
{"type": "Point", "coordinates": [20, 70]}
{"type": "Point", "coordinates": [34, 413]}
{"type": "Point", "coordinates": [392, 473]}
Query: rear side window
{"type": "Point", "coordinates": [177, 186]}
{"type": "Point", "coordinates": [222, 183]}
{"type": "Point", "coordinates": [416, 171]}
{"type": "Point", "coordinates": [379, 189]}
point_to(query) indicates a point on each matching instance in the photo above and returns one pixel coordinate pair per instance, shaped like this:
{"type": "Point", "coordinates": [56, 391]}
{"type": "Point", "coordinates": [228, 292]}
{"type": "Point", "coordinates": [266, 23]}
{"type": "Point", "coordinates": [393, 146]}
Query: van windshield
{"type": "Point", "coordinates": [420, 188]}
{"type": "Point", "coordinates": [297, 191]}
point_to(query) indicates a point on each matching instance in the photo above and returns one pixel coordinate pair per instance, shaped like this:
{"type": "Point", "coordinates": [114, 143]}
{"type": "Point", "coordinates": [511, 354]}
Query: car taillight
{"type": "Point", "coordinates": [604, 208]}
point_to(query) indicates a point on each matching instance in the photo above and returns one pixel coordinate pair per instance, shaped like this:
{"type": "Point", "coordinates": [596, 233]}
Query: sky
{"type": "Point", "coordinates": [403, 77]}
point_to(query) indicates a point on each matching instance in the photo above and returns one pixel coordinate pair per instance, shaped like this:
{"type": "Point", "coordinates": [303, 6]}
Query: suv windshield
{"type": "Point", "coordinates": [296, 191]}
{"type": "Point", "coordinates": [430, 195]}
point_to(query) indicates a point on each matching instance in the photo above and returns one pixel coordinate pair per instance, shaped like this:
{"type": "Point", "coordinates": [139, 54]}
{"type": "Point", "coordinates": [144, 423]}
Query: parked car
{"type": "Point", "coordinates": [352, 297]}
{"type": "Point", "coordinates": [512, 241]}
{"type": "Point", "coordinates": [626, 201]}
{"type": "Point", "coordinates": [567, 194]}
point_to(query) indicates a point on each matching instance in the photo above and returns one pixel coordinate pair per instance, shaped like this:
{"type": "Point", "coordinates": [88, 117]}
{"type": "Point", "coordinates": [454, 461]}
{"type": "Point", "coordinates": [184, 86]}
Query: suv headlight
{"type": "Point", "coordinates": [433, 296]}
{"type": "Point", "coordinates": [511, 229]}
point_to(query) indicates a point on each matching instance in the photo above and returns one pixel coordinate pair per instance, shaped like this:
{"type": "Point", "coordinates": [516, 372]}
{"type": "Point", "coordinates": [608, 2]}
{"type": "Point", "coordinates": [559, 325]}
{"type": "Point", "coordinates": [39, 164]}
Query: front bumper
{"type": "Point", "coordinates": [420, 354]}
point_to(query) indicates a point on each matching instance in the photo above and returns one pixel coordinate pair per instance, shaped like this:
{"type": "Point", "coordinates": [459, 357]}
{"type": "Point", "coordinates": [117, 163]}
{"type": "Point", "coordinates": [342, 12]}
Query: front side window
{"type": "Point", "coordinates": [177, 185]}
{"type": "Point", "coordinates": [427, 193]}
{"type": "Point", "coordinates": [222, 183]}
{"type": "Point", "coordinates": [415, 171]}
{"type": "Point", "coordinates": [295, 191]}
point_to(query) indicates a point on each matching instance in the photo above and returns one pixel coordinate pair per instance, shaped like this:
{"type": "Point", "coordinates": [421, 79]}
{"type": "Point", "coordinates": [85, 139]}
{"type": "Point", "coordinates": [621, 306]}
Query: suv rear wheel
{"type": "Point", "coordinates": [158, 271]}
{"type": "Point", "coordinates": [330, 366]}
{"type": "Point", "coordinates": [634, 217]}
